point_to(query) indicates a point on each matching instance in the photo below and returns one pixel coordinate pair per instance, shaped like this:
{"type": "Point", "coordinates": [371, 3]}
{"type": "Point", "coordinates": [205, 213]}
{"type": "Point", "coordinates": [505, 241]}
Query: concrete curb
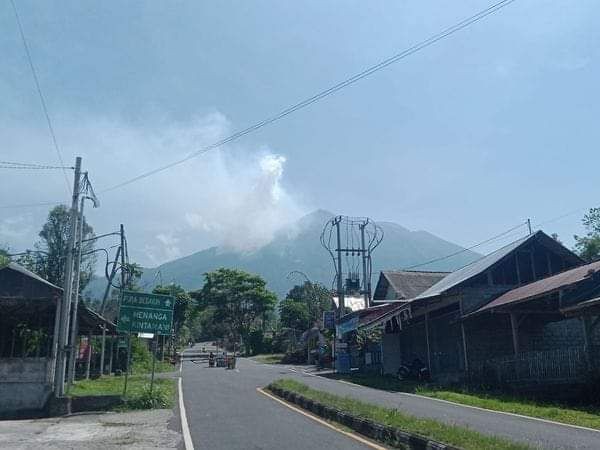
{"type": "Point", "coordinates": [376, 431]}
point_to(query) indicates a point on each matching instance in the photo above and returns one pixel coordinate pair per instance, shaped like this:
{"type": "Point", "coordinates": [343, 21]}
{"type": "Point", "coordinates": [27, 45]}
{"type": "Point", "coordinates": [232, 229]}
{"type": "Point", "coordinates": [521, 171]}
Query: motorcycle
{"type": "Point", "coordinates": [416, 370]}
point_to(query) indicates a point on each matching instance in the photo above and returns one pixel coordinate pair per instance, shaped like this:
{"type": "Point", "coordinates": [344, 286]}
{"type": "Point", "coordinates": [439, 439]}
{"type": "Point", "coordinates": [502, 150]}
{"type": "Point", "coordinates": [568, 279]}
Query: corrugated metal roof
{"type": "Point", "coordinates": [544, 286]}
{"type": "Point", "coordinates": [473, 269]}
{"type": "Point", "coordinates": [19, 268]}
{"type": "Point", "coordinates": [408, 283]}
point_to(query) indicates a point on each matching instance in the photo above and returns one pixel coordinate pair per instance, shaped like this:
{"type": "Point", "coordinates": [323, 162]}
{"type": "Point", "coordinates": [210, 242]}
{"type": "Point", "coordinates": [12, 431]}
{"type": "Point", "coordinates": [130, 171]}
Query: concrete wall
{"type": "Point", "coordinates": [24, 384]}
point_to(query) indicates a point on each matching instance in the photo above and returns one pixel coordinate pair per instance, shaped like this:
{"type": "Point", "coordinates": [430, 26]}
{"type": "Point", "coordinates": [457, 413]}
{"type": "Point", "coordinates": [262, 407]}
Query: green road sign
{"type": "Point", "coordinates": [145, 313]}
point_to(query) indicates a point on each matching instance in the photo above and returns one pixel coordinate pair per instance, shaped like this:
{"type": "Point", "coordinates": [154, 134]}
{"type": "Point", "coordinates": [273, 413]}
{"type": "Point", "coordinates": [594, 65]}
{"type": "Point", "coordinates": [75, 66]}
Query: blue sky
{"type": "Point", "coordinates": [465, 139]}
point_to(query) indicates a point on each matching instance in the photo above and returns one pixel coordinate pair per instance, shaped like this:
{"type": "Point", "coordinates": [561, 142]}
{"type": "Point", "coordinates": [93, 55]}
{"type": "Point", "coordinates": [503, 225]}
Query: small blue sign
{"type": "Point", "coordinates": [329, 320]}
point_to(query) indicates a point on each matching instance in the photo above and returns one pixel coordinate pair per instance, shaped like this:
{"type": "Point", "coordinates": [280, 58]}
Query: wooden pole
{"type": "Point", "coordinates": [103, 350]}
{"type": "Point", "coordinates": [515, 332]}
{"type": "Point", "coordinates": [89, 358]}
{"type": "Point", "coordinates": [112, 350]}
{"type": "Point", "coordinates": [427, 341]}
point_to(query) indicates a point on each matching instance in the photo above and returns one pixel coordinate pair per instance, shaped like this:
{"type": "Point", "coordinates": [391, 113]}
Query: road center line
{"type": "Point", "coordinates": [323, 422]}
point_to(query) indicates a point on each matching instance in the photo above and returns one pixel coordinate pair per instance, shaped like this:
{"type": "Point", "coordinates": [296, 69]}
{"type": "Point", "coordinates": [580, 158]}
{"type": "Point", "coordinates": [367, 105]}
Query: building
{"type": "Point", "coordinates": [27, 338]}
{"type": "Point", "coordinates": [524, 314]}
{"type": "Point", "coordinates": [402, 285]}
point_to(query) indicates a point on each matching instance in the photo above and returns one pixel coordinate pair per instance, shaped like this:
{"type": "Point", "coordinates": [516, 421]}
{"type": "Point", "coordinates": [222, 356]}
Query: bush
{"type": "Point", "coordinates": [294, 357]}
{"type": "Point", "coordinates": [160, 397]}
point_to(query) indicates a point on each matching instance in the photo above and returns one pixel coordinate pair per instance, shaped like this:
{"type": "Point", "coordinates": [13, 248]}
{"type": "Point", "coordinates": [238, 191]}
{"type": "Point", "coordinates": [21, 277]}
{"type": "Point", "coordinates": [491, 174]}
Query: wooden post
{"type": "Point", "coordinates": [549, 262]}
{"type": "Point", "coordinates": [103, 350]}
{"type": "Point", "coordinates": [514, 325]}
{"type": "Point", "coordinates": [427, 340]}
{"type": "Point", "coordinates": [89, 358]}
{"type": "Point", "coordinates": [585, 322]}
{"type": "Point", "coordinates": [464, 336]}
{"type": "Point", "coordinates": [532, 259]}
{"type": "Point", "coordinates": [112, 350]}
{"type": "Point", "coordinates": [517, 267]}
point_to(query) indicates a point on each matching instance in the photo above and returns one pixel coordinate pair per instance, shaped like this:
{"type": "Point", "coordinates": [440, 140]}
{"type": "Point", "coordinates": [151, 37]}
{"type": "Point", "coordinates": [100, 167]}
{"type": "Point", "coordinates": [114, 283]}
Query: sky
{"type": "Point", "coordinates": [465, 139]}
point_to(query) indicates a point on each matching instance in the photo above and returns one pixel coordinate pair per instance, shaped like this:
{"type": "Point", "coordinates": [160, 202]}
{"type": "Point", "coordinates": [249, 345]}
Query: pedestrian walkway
{"type": "Point", "coordinates": [131, 430]}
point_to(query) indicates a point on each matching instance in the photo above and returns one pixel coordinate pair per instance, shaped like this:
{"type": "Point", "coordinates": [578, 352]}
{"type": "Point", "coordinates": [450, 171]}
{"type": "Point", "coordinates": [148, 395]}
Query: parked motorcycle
{"type": "Point", "coordinates": [416, 370]}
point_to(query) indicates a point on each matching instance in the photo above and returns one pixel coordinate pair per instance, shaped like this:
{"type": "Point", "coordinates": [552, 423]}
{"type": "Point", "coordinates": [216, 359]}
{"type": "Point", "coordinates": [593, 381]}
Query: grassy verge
{"type": "Point", "coordinates": [449, 434]}
{"type": "Point", "coordinates": [138, 390]}
{"type": "Point", "coordinates": [585, 417]}
{"type": "Point", "coordinates": [273, 358]}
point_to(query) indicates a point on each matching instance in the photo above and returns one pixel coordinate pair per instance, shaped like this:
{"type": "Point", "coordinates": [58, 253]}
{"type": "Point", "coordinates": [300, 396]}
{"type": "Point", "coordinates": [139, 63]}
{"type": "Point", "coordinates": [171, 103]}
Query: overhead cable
{"type": "Point", "coordinates": [331, 90]}
{"type": "Point", "coordinates": [40, 94]}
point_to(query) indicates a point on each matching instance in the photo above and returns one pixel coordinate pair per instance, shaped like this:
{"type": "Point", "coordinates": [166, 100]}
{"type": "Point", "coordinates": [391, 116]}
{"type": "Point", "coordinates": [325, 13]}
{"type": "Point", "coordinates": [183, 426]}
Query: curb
{"type": "Point", "coordinates": [366, 427]}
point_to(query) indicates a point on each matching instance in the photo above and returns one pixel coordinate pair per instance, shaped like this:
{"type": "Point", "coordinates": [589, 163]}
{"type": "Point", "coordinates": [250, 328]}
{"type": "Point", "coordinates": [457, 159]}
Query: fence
{"type": "Point", "coordinates": [543, 367]}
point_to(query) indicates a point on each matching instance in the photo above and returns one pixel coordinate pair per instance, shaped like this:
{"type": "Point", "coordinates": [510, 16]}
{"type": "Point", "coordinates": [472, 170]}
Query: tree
{"type": "Point", "coordinates": [316, 299]}
{"type": "Point", "coordinates": [238, 300]}
{"type": "Point", "coordinates": [183, 302]}
{"type": "Point", "coordinates": [4, 258]}
{"type": "Point", "coordinates": [49, 259]}
{"type": "Point", "coordinates": [588, 246]}
{"type": "Point", "coordinates": [294, 314]}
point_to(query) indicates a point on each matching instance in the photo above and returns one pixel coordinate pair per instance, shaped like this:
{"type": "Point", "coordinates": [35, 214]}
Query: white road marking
{"type": "Point", "coordinates": [579, 427]}
{"type": "Point", "coordinates": [187, 438]}
{"type": "Point", "coordinates": [323, 422]}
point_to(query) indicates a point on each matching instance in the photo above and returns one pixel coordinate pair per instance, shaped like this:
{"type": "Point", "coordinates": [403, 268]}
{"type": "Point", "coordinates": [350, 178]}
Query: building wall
{"type": "Point", "coordinates": [391, 356]}
{"type": "Point", "coordinates": [23, 384]}
{"type": "Point", "coordinates": [413, 343]}
{"type": "Point", "coordinates": [488, 336]}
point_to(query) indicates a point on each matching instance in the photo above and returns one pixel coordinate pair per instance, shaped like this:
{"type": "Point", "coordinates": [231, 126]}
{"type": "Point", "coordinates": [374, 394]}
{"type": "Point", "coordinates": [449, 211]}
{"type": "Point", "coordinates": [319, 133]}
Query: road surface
{"type": "Point", "coordinates": [225, 411]}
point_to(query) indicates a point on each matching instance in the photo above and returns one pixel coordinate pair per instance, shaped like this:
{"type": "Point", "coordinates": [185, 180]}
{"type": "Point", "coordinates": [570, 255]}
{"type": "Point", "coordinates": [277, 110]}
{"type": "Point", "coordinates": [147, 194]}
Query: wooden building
{"type": "Point", "coordinates": [526, 313]}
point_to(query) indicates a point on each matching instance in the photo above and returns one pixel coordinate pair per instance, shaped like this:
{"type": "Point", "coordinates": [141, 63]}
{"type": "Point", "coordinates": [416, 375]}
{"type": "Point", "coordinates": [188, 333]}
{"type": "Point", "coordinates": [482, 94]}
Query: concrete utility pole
{"type": "Point", "coordinates": [77, 271]}
{"type": "Point", "coordinates": [366, 290]}
{"type": "Point", "coordinates": [340, 276]}
{"type": "Point", "coordinates": [61, 360]}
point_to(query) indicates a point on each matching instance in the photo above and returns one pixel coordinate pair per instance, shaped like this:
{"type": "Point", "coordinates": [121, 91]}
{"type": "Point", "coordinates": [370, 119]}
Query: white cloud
{"type": "Point", "coordinates": [232, 196]}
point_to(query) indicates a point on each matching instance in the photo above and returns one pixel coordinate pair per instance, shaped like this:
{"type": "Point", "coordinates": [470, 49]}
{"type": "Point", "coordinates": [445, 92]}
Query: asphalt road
{"type": "Point", "coordinates": [225, 411]}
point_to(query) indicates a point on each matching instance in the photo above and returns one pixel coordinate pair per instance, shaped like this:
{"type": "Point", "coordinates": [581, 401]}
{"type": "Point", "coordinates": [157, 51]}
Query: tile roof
{"type": "Point", "coordinates": [545, 286]}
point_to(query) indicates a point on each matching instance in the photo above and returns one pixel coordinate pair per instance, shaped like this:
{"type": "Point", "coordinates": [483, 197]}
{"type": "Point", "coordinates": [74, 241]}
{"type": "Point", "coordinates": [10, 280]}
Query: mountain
{"type": "Point", "coordinates": [297, 247]}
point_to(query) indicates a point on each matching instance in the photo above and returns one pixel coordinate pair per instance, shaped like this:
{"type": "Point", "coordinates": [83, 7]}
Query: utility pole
{"type": "Point", "coordinates": [363, 250]}
{"type": "Point", "coordinates": [61, 360]}
{"type": "Point", "coordinates": [340, 277]}
{"type": "Point", "coordinates": [529, 226]}
{"type": "Point", "coordinates": [77, 270]}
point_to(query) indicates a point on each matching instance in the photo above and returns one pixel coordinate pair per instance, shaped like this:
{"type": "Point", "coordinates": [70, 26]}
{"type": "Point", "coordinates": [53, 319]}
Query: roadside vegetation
{"type": "Point", "coordinates": [583, 416]}
{"type": "Point", "coordinates": [138, 384]}
{"type": "Point", "coordinates": [272, 358]}
{"type": "Point", "coordinates": [441, 432]}
{"type": "Point", "coordinates": [138, 391]}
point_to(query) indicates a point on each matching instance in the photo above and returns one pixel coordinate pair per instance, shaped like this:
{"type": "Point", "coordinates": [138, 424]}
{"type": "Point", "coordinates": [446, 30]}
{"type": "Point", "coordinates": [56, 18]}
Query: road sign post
{"type": "Point", "coordinates": [144, 313]}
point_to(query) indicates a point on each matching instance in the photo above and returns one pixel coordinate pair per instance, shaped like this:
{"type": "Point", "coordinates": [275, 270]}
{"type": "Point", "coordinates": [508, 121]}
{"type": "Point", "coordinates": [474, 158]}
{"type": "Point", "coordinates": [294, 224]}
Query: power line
{"type": "Point", "coordinates": [30, 205]}
{"type": "Point", "coordinates": [25, 166]}
{"type": "Point", "coordinates": [487, 241]}
{"type": "Point", "coordinates": [40, 94]}
{"type": "Point", "coordinates": [333, 89]}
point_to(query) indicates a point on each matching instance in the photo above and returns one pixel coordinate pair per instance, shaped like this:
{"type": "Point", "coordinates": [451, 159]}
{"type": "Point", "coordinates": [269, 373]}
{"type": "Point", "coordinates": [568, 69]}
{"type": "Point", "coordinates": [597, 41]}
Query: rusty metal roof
{"type": "Point", "coordinates": [544, 286]}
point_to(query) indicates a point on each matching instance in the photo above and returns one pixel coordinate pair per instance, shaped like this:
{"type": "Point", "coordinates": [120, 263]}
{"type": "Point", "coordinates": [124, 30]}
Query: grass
{"type": "Point", "coordinates": [138, 390]}
{"type": "Point", "coordinates": [441, 432]}
{"type": "Point", "coordinates": [272, 358]}
{"type": "Point", "coordinates": [585, 417]}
